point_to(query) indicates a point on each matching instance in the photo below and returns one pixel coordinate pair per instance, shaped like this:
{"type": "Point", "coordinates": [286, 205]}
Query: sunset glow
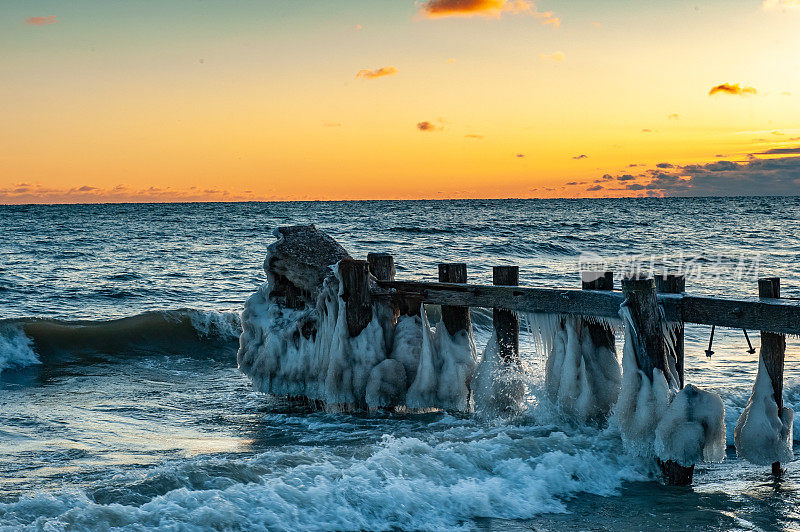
{"type": "Point", "coordinates": [180, 101]}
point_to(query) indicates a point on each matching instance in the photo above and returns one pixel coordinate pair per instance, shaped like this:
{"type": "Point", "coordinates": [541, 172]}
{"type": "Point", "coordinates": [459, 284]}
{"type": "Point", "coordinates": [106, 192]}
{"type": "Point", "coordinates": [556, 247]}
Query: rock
{"type": "Point", "coordinates": [299, 262]}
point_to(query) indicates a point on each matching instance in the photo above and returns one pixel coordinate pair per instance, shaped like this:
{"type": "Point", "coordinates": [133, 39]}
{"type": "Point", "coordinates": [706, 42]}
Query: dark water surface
{"type": "Point", "coordinates": [144, 421]}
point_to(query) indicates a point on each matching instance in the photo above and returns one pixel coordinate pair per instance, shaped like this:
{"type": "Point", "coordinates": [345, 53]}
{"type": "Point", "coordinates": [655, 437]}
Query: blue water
{"type": "Point", "coordinates": [121, 404]}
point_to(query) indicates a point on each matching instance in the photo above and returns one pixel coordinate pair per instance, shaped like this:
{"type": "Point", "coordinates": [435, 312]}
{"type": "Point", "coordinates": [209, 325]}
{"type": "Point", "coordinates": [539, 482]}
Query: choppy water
{"type": "Point", "coordinates": [145, 422]}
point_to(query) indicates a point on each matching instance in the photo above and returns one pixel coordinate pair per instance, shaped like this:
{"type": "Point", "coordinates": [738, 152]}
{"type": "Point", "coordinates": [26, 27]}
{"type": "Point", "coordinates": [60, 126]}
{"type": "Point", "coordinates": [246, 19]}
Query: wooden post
{"type": "Point", "coordinates": [773, 351]}
{"type": "Point", "coordinates": [675, 284]}
{"type": "Point", "coordinates": [506, 322]}
{"type": "Point", "coordinates": [356, 296]}
{"type": "Point", "coordinates": [601, 335]}
{"type": "Point", "coordinates": [651, 354]}
{"type": "Point", "coordinates": [642, 300]}
{"type": "Point", "coordinates": [455, 318]}
{"type": "Point", "coordinates": [381, 265]}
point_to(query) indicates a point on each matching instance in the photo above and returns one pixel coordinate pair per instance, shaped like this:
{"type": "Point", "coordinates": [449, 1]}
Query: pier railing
{"type": "Point", "coordinates": [651, 301]}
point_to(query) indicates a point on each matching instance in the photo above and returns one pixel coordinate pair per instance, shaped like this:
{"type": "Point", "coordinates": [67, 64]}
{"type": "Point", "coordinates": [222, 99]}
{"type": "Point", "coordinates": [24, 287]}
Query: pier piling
{"type": "Point", "coordinates": [356, 294]}
{"type": "Point", "coordinates": [455, 318]}
{"type": "Point", "coordinates": [773, 351]}
{"type": "Point", "coordinates": [506, 322]}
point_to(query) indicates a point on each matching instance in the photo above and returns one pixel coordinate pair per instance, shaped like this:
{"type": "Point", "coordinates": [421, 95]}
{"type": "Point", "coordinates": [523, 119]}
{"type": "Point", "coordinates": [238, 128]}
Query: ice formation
{"type": "Point", "coordinates": [692, 429]}
{"type": "Point", "coordinates": [762, 436]}
{"type": "Point", "coordinates": [295, 341]}
{"type": "Point", "coordinates": [655, 417]}
{"type": "Point", "coordinates": [582, 374]}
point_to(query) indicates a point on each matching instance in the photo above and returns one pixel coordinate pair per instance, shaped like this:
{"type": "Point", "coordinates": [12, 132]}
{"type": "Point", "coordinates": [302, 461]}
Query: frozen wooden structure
{"type": "Point", "coordinates": [647, 297]}
{"type": "Point", "coordinates": [651, 301]}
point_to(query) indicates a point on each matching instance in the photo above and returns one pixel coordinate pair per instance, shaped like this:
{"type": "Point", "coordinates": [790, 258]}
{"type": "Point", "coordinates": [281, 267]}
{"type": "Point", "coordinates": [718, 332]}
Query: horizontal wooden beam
{"type": "Point", "coordinates": [775, 315]}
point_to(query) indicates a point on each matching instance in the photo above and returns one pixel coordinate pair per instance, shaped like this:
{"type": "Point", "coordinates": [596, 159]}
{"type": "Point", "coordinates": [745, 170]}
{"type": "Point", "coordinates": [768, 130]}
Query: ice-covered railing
{"type": "Point", "coordinates": [343, 333]}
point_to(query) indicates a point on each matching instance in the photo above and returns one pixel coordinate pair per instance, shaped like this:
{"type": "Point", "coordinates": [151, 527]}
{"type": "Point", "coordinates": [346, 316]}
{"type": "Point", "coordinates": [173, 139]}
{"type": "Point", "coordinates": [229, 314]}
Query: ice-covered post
{"type": "Point", "coordinates": [455, 318]}
{"type": "Point", "coordinates": [773, 351]}
{"type": "Point", "coordinates": [675, 284]}
{"type": "Point", "coordinates": [355, 294]}
{"type": "Point", "coordinates": [651, 353]}
{"type": "Point", "coordinates": [602, 335]}
{"type": "Point", "coordinates": [506, 322]}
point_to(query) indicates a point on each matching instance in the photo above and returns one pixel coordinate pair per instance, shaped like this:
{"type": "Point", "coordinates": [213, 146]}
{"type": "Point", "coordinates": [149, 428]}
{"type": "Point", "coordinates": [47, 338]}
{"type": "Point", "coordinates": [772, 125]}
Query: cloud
{"type": "Point", "coordinates": [783, 5]}
{"type": "Point", "coordinates": [594, 188]}
{"type": "Point", "coordinates": [779, 151]}
{"type": "Point", "coordinates": [486, 8]}
{"type": "Point", "coordinates": [427, 126]}
{"type": "Point", "coordinates": [520, 155]}
{"type": "Point", "coordinates": [581, 156]}
{"type": "Point", "coordinates": [665, 165]}
{"type": "Point", "coordinates": [377, 73]}
{"type": "Point", "coordinates": [778, 176]}
{"type": "Point", "coordinates": [41, 21]}
{"type": "Point", "coordinates": [735, 89]}
{"type": "Point", "coordinates": [647, 130]}
{"type": "Point", "coordinates": [22, 193]}
{"type": "Point", "coordinates": [473, 136]}
{"type": "Point", "coordinates": [555, 56]}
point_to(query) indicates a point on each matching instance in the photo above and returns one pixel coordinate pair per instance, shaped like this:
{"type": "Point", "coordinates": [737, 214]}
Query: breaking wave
{"type": "Point", "coordinates": [28, 341]}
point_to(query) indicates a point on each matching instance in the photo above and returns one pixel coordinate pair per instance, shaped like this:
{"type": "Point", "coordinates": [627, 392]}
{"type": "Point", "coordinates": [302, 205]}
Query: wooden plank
{"type": "Point", "coordinates": [773, 352]}
{"type": "Point", "coordinates": [775, 315]}
{"type": "Point", "coordinates": [455, 317]}
{"type": "Point", "coordinates": [506, 322]}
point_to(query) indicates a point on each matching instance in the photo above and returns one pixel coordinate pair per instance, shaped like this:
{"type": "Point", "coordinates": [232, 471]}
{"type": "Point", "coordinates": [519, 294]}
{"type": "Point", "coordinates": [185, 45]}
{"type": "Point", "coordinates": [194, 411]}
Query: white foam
{"type": "Point", "coordinates": [442, 482]}
{"type": "Point", "coordinates": [499, 386]}
{"type": "Point", "coordinates": [213, 323]}
{"type": "Point", "coordinates": [761, 436]}
{"type": "Point", "coordinates": [16, 349]}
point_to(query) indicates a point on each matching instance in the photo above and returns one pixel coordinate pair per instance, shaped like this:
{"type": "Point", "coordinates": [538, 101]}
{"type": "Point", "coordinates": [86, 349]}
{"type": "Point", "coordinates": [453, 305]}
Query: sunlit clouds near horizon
{"type": "Point", "coordinates": [179, 101]}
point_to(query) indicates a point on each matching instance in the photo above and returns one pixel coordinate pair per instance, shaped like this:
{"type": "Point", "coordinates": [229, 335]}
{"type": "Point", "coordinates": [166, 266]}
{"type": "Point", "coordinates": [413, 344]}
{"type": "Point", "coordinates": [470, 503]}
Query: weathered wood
{"type": "Point", "coordinates": [776, 315]}
{"type": "Point", "coordinates": [675, 284]}
{"type": "Point", "coordinates": [356, 294]}
{"type": "Point", "coordinates": [455, 317]}
{"type": "Point", "coordinates": [773, 351]}
{"type": "Point", "coordinates": [602, 335]}
{"type": "Point", "coordinates": [651, 354]}
{"type": "Point", "coordinates": [381, 265]}
{"type": "Point", "coordinates": [591, 280]}
{"type": "Point", "coordinates": [642, 301]}
{"type": "Point", "coordinates": [506, 322]}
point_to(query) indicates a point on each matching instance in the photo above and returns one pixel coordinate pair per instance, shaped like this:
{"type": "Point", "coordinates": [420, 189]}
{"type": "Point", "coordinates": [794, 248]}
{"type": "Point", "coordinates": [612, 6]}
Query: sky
{"type": "Point", "coordinates": [109, 101]}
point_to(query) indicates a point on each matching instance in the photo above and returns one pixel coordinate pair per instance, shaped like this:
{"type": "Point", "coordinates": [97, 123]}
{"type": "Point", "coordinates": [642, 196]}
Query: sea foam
{"type": "Point", "coordinates": [16, 349]}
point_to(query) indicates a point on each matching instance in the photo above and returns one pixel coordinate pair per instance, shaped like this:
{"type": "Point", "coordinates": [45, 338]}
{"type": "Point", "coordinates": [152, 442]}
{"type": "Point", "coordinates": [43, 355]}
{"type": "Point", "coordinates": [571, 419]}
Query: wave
{"type": "Point", "coordinates": [27, 341]}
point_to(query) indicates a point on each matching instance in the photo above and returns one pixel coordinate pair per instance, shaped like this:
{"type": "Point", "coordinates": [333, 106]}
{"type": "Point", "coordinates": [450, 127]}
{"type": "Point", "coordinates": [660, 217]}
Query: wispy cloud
{"type": "Point", "coordinates": [486, 8]}
{"type": "Point", "coordinates": [427, 126]}
{"type": "Point", "coordinates": [555, 56]}
{"type": "Point", "coordinates": [783, 5]}
{"type": "Point", "coordinates": [473, 136]}
{"type": "Point", "coordinates": [581, 156]}
{"type": "Point", "coordinates": [779, 151]}
{"type": "Point", "coordinates": [37, 193]}
{"type": "Point", "coordinates": [41, 21]}
{"type": "Point", "coordinates": [377, 73]}
{"type": "Point", "coordinates": [735, 89]}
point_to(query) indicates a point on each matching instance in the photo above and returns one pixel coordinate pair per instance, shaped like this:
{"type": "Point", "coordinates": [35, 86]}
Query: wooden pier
{"type": "Point", "coordinates": [651, 301]}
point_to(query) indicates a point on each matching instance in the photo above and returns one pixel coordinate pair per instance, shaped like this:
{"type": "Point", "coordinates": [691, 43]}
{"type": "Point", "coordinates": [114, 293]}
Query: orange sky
{"type": "Point", "coordinates": [371, 100]}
